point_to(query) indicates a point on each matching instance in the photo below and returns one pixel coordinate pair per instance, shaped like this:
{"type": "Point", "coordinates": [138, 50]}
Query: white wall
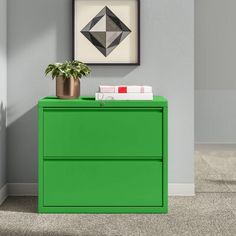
{"type": "Point", "coordinates": [39, 32]}
{"type": "Point", "coordinates": [215, 71]}
{"type": "Point", "coordinates": [3, 80]}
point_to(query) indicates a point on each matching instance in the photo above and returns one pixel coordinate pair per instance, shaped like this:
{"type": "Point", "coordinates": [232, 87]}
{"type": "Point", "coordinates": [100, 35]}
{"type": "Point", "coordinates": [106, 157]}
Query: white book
{"type": "Point", "coordinates": [124, 96]}
{"type": "Point", "coordinates": [125, 89]}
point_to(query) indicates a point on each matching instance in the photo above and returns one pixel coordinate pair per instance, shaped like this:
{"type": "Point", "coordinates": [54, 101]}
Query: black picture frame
{"type": "Point", "coordinates": [138, 63]}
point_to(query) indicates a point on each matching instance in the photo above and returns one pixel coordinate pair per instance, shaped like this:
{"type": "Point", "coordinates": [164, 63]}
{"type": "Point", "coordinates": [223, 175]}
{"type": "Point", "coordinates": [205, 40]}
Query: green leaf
{"type": "Point", "coordinates": [75, 69]}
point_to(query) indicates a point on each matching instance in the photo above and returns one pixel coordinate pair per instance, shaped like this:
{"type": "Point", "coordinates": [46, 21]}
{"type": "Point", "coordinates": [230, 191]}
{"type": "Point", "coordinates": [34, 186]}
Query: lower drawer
{"type": "Point", "coordinates": [102, 183]}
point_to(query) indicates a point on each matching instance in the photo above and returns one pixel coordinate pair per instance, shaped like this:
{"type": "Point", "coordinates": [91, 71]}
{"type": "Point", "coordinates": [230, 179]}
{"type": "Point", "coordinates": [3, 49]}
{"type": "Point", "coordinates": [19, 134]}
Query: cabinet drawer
{"type": "Point", "coordinates": [102, 132]}
{"type": "Point", "coordinates": [102, 183]}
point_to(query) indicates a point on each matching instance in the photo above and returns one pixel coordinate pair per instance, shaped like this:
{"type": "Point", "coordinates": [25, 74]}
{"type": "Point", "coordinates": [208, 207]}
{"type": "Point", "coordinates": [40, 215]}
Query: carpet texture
{"type": "Point", "coordinates": [211, 212]}
{"type": "Point", "coordinates": [215, 168]}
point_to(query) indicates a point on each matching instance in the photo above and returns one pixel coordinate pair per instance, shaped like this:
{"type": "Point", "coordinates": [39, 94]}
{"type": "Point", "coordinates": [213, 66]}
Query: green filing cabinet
{"type": "Point", "coordinates": [102, 156]}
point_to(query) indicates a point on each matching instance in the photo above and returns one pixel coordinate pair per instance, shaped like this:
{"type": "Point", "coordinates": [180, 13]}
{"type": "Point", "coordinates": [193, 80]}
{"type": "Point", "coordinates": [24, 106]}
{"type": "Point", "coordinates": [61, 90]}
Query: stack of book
{"type": "Point", "coordinates": [123, 92]}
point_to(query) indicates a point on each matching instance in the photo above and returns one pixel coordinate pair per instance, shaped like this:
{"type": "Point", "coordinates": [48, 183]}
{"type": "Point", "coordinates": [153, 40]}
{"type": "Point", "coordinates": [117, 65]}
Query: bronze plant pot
{"type": "Point", "coordinates": [68, 88]}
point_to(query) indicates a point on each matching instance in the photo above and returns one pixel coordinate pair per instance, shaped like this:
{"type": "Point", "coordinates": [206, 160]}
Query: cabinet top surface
{"type": "Point", "coordinates": [86, 101]}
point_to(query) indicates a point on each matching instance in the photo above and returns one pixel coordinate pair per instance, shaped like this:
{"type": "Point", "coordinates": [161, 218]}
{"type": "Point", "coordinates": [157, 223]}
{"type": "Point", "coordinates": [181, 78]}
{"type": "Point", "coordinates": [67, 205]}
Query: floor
{"type": "Point", "coordinates": [211, 212]}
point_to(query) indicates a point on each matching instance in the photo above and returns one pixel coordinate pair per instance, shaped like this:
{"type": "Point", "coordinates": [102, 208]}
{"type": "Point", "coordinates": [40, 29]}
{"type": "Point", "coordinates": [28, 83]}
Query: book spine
{"type": "Point", "coordinates": [124, 96]}
{"type": "Point", "coordinates": [125, 89]}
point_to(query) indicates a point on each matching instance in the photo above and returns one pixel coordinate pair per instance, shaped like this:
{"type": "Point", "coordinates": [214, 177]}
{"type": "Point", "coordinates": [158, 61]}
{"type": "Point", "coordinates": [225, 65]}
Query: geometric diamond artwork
{"type": "Point", "coordinates": [105, 31]}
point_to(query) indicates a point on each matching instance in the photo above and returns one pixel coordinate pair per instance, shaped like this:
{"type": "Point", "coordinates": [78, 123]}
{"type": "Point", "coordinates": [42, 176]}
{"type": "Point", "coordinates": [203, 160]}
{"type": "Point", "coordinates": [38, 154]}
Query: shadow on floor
{"type": "Point", "coordinates": [215, 168]}
{"type": "Point", "coordinates": [221, 181]}
{"type": "Point", "coordinates": [20, 204]}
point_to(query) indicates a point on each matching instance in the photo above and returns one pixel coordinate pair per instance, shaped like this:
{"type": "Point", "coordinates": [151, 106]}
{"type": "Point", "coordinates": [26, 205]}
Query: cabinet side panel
{"type": "Point", "coordinates": [40, 159]}
{"type": "Point", "coordinates": [165, 159]}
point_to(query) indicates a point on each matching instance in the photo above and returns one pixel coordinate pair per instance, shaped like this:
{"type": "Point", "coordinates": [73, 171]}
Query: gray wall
{"type": "Point", "coordinates": [40, 33]}
{"type": "Point", "coordinates": [3, 80]}
{"type": "Point", "coordinates": [215, 71]}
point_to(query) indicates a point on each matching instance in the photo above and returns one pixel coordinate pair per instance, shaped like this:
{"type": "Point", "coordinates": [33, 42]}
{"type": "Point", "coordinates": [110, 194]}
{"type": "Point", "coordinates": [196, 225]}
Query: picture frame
{"type": "Point", "coordinates": [106, 32]}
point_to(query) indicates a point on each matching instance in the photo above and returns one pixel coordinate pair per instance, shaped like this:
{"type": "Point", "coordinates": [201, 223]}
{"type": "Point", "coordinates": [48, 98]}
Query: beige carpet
{"type": "Point", "coordinates": [215, 168]}
{"type": "Point", "coordinates": [211, 212]}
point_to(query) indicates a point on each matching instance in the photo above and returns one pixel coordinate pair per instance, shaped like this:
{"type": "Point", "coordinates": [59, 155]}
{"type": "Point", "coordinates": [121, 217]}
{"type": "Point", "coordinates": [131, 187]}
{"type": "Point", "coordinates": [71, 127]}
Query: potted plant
{"type": "Point", "coordinates": [68, 75]}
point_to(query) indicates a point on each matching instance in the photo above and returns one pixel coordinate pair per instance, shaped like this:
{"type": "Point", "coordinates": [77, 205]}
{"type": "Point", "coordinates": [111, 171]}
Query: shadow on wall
{"type": "Point", "coordinates": [23, 144]}
{"type": "Point", "coordinates": [45, 37]}
{"type": "Point", "coordinates": [41, 17]}
{"type": "Point", "coordinates": [2, 145]}
{"type": "Point", "coordinates": [108, 72]}
{"type": "Point", "coordinates": [2, 118]}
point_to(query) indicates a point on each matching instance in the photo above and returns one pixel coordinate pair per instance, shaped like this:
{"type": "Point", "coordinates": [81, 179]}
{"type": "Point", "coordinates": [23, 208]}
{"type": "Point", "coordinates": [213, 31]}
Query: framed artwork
{"type": "Point", "coordinates": [107, 32]}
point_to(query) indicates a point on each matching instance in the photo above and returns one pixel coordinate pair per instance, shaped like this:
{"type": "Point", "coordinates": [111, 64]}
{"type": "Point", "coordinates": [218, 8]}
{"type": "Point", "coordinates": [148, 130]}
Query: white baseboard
{"type": "Point", "coordinates": [181, 189]}
{"type": "Point", "coordinates": [22, 189]}
{"type": "Point", "coordinates": [31, 189]}
{"type": "Point", "coordinates": [3, 193]}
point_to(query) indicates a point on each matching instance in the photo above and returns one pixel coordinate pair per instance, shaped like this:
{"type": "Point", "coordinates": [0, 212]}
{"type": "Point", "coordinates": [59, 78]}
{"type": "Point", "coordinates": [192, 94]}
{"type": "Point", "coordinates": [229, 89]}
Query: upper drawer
{"type": "Point", "coordinates": [101, 132]}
